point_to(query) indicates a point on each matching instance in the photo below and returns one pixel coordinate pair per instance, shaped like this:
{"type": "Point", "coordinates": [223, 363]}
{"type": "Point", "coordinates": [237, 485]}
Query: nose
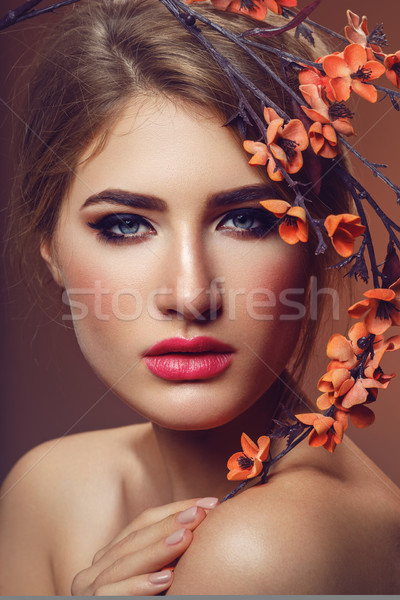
{"type": "Point", "coordinates": [190, 290]}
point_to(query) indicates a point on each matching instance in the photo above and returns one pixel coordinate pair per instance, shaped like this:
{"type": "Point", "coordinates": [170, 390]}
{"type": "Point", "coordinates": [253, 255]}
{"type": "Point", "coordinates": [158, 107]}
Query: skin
{"type": "Point", "coordinates": [101, 524]}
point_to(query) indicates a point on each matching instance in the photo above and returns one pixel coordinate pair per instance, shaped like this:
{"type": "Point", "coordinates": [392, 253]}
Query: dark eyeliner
{"type": "Point", "coordinates": [104, 225]}
{"type": "Point", "coordinates": [269, 221]}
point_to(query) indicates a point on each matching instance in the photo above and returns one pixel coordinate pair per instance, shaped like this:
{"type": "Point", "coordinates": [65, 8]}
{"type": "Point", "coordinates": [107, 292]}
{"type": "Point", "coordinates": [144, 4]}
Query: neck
{"type": "Point", "coordinates": [194, 462]}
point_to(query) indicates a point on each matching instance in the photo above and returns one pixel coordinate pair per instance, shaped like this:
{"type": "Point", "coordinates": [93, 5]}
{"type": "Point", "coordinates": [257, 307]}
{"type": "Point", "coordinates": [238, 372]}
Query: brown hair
{"type": "Point", "coordinates": [103, 54]}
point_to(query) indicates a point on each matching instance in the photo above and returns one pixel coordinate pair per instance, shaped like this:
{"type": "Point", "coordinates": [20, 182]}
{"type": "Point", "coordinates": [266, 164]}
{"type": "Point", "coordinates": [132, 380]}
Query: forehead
{"type": "Point", "coordinates": [168, 150]}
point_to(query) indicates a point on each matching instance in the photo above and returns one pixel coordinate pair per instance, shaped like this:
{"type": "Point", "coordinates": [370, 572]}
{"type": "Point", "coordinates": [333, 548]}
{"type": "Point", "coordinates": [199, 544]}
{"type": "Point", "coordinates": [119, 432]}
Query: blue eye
{"type": "Point", "coordinates": [122, 227]}
{"type": "Point", "coordinates": [248, 222]}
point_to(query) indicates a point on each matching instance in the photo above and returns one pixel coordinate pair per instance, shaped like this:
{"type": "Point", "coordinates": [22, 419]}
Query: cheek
{"type": "Point", "coordinates": [269, 283]}
{"type": "Point", "coordinates": [107, 297]}
{"type": "Point", "coordinates": [266, 305]}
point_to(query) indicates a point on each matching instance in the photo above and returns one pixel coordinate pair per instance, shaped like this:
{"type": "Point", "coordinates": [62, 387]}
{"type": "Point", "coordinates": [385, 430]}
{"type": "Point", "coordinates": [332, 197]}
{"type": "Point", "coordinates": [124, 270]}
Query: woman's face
{"type": "Point", "coordinates": [162, 236]}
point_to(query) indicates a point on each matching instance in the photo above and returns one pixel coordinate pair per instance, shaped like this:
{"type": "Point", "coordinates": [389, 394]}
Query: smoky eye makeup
{"type": "Point", "coordinates": [122, 227]}
{"type": "Point", "coordinates": [249, 222]}
{"type": "Point", "coordinates": [244, 222]}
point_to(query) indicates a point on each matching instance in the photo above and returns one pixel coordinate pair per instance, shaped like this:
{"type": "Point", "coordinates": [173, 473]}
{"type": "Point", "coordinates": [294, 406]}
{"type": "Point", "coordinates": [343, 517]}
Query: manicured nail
{"type": "Point", "coordinates": [160, 577]}
{"type": "Point", "coordinates": [207, 503]}
{"type": "Point", "coordinates": [175, 537]}
{"type": "Point", "coordinates": [188, 515]}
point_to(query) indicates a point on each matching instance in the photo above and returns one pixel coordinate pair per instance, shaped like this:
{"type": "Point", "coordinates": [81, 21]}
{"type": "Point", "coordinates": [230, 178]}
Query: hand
{"type": "Point", "coordinates": [130, 565]}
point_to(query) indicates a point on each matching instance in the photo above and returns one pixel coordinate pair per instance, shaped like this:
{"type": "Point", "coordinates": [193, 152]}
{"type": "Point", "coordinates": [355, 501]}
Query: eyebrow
{"type": "Point", "coordinates": [248, 193]}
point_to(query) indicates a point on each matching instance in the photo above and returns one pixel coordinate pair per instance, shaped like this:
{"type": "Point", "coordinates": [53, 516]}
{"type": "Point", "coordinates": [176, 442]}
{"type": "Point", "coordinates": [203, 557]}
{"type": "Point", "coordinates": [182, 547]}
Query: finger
{"type": "Point", "coordinates": [137, 541]}
{"type": "Point", "coordinates": [141, 585]}
{"type": "Point", "coordinates": [154, 515]}
{"type": "Point", "coordinates": [148, 560]}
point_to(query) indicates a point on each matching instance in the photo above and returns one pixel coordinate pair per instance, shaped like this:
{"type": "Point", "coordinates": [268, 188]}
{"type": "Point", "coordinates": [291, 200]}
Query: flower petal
{"type": "Point", "coordinates": [273, 130]}
{"type": "Point", "coordinates": [355, 56]}
{"type": "Point", "coordinates": [375, 69]}
{"type": "Point", "coordinates": [329, 134]}
{"type": "Point", "coordinates": [359, 309]}
{"type": "Point", "coordinates": [361, 416]}
{"type": "Point", "coordinates": [263, 444]}
{"type": "Point", "coordinates": [288, 232]}
{"type": "Point", "coordinates": [278, 207]}
{"type": "Point", "coordinates": [374, 324]}
{"type": "Point", "coordinates": [295, 131]}
{"type": "Point", "coordinates": [343, 242]}
{"type": "Point", "coordinates": [298, 212]}
{"type": "Point", "coordinates": [325, 401]}
{"type": "Point", "coordinates": [248, 446]}
{"type": "Point", "coordinates": [335, 66]}
{"type": "Point", "coordinates": [365, 90]}
{"type": "Point", "coordinates": [339, 348]}
{"type": "Point", "coordinates": [233, 461]}
{"type": "Point", "coordinates": [315, 115]}
{"type": "Point", "coordinates": [341, 87]}
{"type": "Point", "coordinates": [273, 171]}
{"type": "Point", "coordinates": [357, 395]}
{"type": "Point", "coordinates": [343, 126]}
{"type": "Point", "coordinates": [316, 440]}
{"type": "Point", "coordinates": [295, 163]}
{"type": "Point", "coordinates": [385, 294]}
{"type": "Point", "coordinates": [238, 474]}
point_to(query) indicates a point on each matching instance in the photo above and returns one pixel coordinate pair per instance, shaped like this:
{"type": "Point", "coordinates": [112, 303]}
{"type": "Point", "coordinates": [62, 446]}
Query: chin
{"type": "Point", "coordinates": [191, 409]}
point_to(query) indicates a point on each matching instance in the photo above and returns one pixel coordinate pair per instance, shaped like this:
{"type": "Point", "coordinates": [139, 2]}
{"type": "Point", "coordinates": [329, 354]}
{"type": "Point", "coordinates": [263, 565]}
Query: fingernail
{"type": "Point", "coordinates": [207, 503]}
{"type": "Point", "coordinates": [175, 537]}
{"type": "Point", "coordinates": [188, 515]}
{"type": "Point", "coordinates": [160, 577]}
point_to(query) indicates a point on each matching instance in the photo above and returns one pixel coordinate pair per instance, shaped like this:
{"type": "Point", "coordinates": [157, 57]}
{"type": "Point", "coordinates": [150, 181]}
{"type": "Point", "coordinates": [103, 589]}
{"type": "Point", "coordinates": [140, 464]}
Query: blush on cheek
{"type": "Point", "coordinates": [273, 286]}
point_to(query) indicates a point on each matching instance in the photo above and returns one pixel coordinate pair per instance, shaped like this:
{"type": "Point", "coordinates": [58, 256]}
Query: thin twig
{"type": "Point", "coordinates": [342, 38]}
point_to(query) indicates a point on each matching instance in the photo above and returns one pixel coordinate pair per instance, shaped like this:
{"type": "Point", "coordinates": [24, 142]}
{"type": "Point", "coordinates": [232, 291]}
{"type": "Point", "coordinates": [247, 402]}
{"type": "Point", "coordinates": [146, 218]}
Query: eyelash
{"type": "Point", "coordinates": [105, 224]}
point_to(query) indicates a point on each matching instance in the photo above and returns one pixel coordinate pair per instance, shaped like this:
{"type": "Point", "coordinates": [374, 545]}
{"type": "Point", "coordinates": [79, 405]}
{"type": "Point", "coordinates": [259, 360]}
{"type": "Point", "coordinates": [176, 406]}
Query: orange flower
{"type": "Point", "coordinates": [344, 351]}
{"type": "Point", "coordinates": [327, 431]}
{"type": "Point", "coordinates": [339, 384]}
{"type": "Point", "coordinates": [284, 143]}
{"type": "Point", "coordinates": [257, 11]}
{"type": "Point", "coordinates": [392, 64]}
{"type": "Point", "coordinates": [313, 76]}
{"type": "Point", "coordinates": [352, 70]}
{"type": "Point", "coordinates": [323, 140]}
{"type": "Point", "coordinates": [327, 119]}
{"type": "Point", "coordinates": [343, 229]}
{"type": "Point", "coordinates": [360, 415]}
{"type": "Point", "coordinates": [336, 381]}
{"type": "Point", "coordinates": [357, 33]}
{"type": "Point", "coordinates": [345, 391]}
{"type": "Point", "coordinates": [294, 227]}
{"type": "Point", "coordinates": [381, 308]}
{"type": "Point", "coordinates": [248, 464]}
{"type": "Point", "coordinates": [336, 113]}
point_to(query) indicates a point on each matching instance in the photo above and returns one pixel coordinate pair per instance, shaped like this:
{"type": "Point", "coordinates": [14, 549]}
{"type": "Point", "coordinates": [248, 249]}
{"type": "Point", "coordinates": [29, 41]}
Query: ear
{"type": "Point", "coordinates": [48, 254]}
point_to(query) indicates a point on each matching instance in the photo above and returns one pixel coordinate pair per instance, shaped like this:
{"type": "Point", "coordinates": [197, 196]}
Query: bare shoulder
{"type": "Point", "coordinates": [57, 487]}
{"type": "Point", "coordinates": [309, 530]}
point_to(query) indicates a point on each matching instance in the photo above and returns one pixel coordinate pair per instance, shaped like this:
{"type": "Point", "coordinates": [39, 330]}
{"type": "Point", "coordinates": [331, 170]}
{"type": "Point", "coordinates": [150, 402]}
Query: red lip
{"type": "Point", "coordinates": [178, 359]}
{"type": "Point", "coordinates": [197, 344]}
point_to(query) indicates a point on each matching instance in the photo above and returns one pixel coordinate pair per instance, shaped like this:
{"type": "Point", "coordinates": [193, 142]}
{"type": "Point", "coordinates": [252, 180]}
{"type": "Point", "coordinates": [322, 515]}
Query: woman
{"type": "Point", "coordinates": [181, 292]}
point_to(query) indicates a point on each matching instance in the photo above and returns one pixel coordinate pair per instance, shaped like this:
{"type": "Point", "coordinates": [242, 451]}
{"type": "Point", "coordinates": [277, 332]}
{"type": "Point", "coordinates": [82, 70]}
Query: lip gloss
{"type": "Point", "coordinates": [190, 365]}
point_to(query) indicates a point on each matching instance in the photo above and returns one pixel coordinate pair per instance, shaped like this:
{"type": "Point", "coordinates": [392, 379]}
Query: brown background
{"type": "Point", "coordinates": [47, 388]}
